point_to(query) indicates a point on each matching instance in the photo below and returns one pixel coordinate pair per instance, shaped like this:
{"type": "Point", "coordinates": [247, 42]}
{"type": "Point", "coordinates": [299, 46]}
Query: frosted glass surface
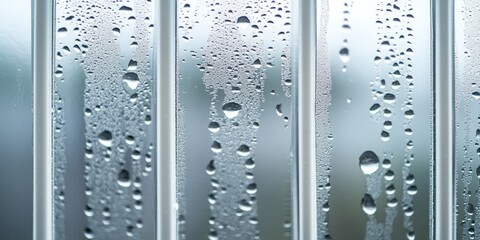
{"type": "Point", "coordinates": [104, 155]}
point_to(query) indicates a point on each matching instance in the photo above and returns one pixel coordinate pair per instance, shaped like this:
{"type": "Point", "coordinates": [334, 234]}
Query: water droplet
{"type": "Point", "coordinates": [409, 114]}
{"type": "Point", "coordinates": [257, 63]}
{"type": "Point", "coordinates": [214, 127]}
{"type": "Point", "coordinates": [231, 109]}
{"type": "Point", "coordinates": [131, 81]}
{"type": "Point", "coordinates": [251, 188]}
{"type": "Point", "coordinates": [124, 178]}
{"type": "Point", "coordinates": [412, 190]}
{"type": "Point", "coordinates": [105, 138]}
{"type": "Point", "coordinates": [374, 108]}
{"type": "Point", "coordinates": [344, 55]}
{"type": "Point", "coordinates": [62, 32]}
{"type": "Point", "coordinates": [243, 22]}
{"type": "Point", "coordinates": [210, 167]}
{"type": "Point", "coordinates": [368, 204]}
{"type": "Point", "coordinates": [392, 202]}
{"type": "Point", "coordinates": [369, 162]}
{"type": "Point", "coordinates": [243, 150]}
{"type": "Point", "coordinates": [278, 109]}
{"type": "Point", "coordinates": [125, 8]}
{"type": "Point", "coordinates": [250, 163]}
{"type": "Point", "coordinates": [244, 205]}
{"type": "Point", "coordinates": [216, 147]}
{"type": "Point", "coordinates": [132, 65]}
{"type": "Point", "coordinates": [389, 98]}
{"type": "Point", "coordinates": [470, 209]}
{"type": "Point", "coordinates": [88, 233]}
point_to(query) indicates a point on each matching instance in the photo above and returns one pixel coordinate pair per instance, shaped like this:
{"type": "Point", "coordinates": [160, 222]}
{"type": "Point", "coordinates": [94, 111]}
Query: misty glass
{"type": "Point", "coordinates": [234, 111]}
{"type": "Point", "coordinates": [374, 119]}
{"type": "Point", "coordinates": [467, 109]}
{"type": "Point", "coordinates": [103, 120]}
{"type": "Point", "coordinates": [16, 126]}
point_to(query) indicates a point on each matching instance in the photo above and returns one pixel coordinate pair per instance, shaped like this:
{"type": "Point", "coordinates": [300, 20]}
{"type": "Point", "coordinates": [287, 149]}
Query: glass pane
{"type": "Point", "coordinates": [104, 156]}
{"type": "Point", "coordinates": [233, 115]}
{"type": "Point", "coordinates": [16, 126]}
{"type": "Point", "coordinates": [374, 130]}
{"type": "Point", "coordinates": [467, 108]}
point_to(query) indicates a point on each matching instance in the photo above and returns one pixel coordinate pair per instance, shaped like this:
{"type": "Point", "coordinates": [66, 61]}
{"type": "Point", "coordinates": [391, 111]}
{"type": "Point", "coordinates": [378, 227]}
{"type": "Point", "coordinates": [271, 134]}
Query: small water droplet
{"type": "Point", "coordinates": [369, 162]}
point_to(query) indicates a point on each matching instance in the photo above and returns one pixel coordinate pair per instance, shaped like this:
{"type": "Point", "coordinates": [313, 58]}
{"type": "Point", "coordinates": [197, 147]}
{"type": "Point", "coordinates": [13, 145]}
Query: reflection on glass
{"type": "Point", "coordinates": [374, 140]}
{"type": "Point", "coordinates": [103, 120]}
{"type": "Point", "coordinates": [233, 117]}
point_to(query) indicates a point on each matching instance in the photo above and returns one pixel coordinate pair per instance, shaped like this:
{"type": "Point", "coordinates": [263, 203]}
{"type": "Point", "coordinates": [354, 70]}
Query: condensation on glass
{"type": "Point", "coordinates": [16, 120]}
{"type": "Point", "coordinates": [234, 106]}
{"type": "Point", "coordinates": [103, 118]}
{"type": "Point", "coordinates": [467, 109]}
{"type": "Point", "coordinates": [374, 119]}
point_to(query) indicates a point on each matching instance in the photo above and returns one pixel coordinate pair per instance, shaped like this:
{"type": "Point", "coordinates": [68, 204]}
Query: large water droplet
{"type": "Point", "coordinates": [210, 168]}
{"type": "Point", "coordinates": [214, 127]}
{"type": "Point", "coordinates": [231, 109]}
{"type": "Point", "coordinates": [257, 63]}
{"type": "Point", "coordinates": [124, 178]}
{"type": "Point", "coordinates": [368, 204]}
{"type": "Point", "coordinates": [216, 147]}
{"type": "Point", "coordinates": [243, 22]}
{"type": "Point", "coordinates": [243, 150]}
{"type": "Point", "coordinates": [244, 205]}
{"type": "Point", "coordinates": [131, 81]}
{"type": "Point", "coordinates": [369, 162]}
{"type": "Point", "coordinates": [105, 138]}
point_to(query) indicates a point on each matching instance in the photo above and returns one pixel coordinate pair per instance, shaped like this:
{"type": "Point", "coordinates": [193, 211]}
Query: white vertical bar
{"type": "Point", "coordinates": [444, 222]}
{"type": "Point", "coordinates": [165, 59]}
{"type": "Point", "coordinates": [305, 15]}
{"type": "Point", "coordinates": [42, 60]}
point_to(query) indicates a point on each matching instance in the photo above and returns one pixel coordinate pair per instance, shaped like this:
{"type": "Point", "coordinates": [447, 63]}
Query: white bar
{"type": "Point", "coordinates": [305, 15]}
{"type": "Point", "coordinates": [165, 59]}
{"type": "Point", "coordinates": [42, 55]}
{"type": "Point", "coordinates": [444, 222]}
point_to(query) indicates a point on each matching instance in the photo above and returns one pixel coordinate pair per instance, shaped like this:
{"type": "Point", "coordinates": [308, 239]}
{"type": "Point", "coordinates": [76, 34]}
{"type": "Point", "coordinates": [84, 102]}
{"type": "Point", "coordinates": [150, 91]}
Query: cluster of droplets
{"type": "Point", "coordinates": [392, 86]}
{"type": "Point", "coordinates": [323, 130]}
{"type": "Point", "coordinates": [110, 44]}
{"type": "Point", "coordinates": [344, 51]}
{"type": "Point", "coordinates": [468, 132]}
{"type": "Point", "coordinates": [245, 39]}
